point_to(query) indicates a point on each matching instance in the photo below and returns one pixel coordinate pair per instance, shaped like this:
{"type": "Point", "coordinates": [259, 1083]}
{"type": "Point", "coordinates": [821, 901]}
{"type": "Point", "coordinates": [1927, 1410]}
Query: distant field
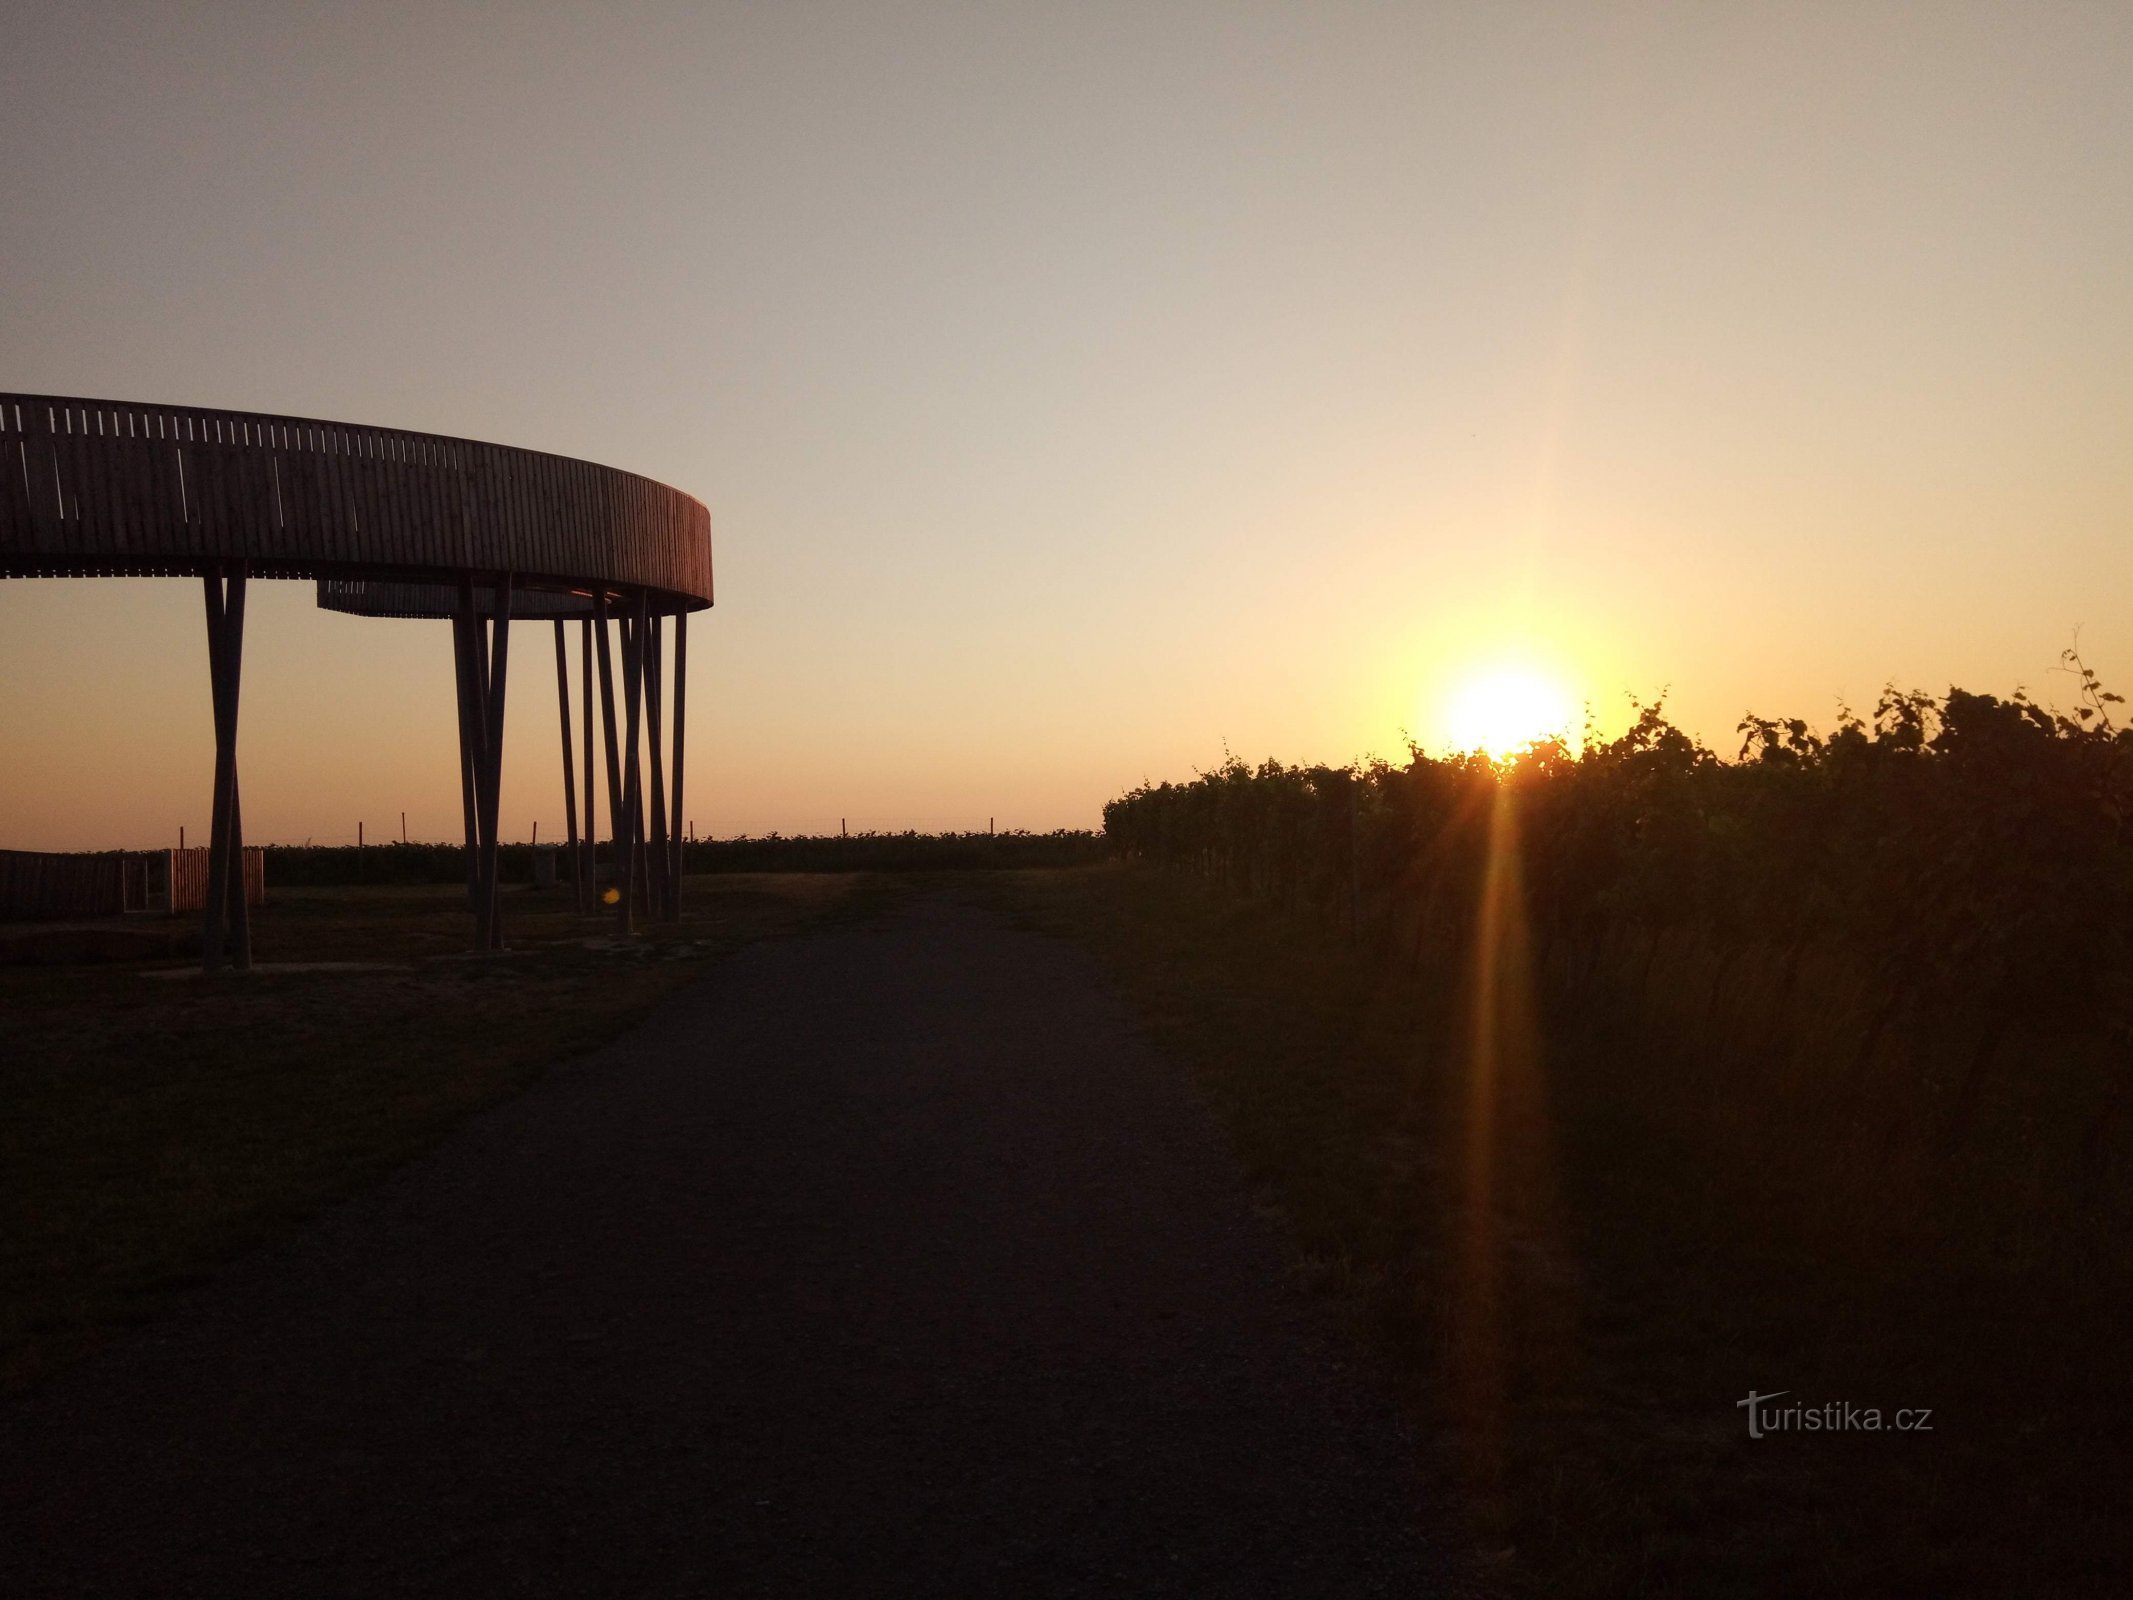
{"type": "Point", "coordinates": [858, 852]}
{"type": "Point", "coordinates": [150, 1128]}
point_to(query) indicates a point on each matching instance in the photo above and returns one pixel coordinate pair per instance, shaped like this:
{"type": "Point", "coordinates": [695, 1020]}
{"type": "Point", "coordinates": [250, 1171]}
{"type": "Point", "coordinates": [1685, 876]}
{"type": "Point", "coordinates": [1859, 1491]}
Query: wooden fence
{"type": "Point", "coordinates": [37, 886]}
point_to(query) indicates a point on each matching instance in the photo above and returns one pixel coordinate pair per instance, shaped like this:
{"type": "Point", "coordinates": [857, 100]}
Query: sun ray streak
{"type": "Point", "coordinates": [1508, 1191]}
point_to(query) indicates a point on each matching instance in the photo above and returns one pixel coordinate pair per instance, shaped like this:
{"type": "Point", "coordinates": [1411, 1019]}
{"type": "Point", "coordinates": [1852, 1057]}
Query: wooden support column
{"type": "Point", "coordinates": [586, 873]}
{"type": "Point", "coordinates": [240, 947]}
{"type": "Point", "coordinates": [627, 866]}
{"type": "Point", "coordinates": [466, 642]}
{"type": "Point", "coordinates": [615, 827]}
{"type": "Point", "coordinates": [495, 678]}
{"type": "Point", "coordinates": [226, 933]}
{"type": "Point", "coordinates": [657, 857]}
{"type": "Point", "coordinates": [640, 852]}
{"type": "Point", "coordinates": [486, 660]}
{"type": "Point", "coordinates": [218, 816]}
{"type": "Point", "coordinates": [463, 674]}
{"type": "Point", "coordinates": [681, 704]}
{"type": "Point", "coordinates": [570, 776]}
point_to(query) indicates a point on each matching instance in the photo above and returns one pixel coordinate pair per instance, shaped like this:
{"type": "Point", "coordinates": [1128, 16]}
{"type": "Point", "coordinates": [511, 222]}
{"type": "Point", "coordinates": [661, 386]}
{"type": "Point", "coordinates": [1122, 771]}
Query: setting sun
{"type": "Point", "coordinates": [1503, 709]}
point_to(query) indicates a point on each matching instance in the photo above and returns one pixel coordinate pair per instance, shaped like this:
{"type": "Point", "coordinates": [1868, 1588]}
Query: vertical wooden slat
{"type": "Point", "coordinates": [335, 461]}
{"type": "Point", "coordinates": [295, 485]}
{"type": "Point", "coordinates": [144, 485]}
{"type": "Point", "coordinates": [437, 521]}
{"type": "Point", "coordinates": [347, 484]}
{"type": "Point", "coordinates": [168, 503]}
{"type": "Point", "coordinates": [15, 521]}
{"type": "Point", "coordinates": [98, 509]}
{"type": "Point", "coordinates": [203, 485]}
{"type": "Point", "coordinates": [245, 484]}
{"type": "Point", "coordinates": [232, 542]}
{"type": "Point", "coordinates": [49, 474]}
{"type": "Point", "coordinates": [360, 523]}
{"type": "Point", "coordinates": [66, 476]}
{"type": "Point", "coordinates": [392, 508]}
{"type": "Point", "coordinates": [325, 521]}
{"type": "Point", "coordinates": [185, 464]}
{"type": "Point", "coordinates": [119, 497]}
{"type": "Point", "coordinates": [93, 485]}
{"type": "Point", "coordinates": [522, 551]}
{"type": "Point", "coordinates": [319, 531]}
{"type": "Point", "coordinates": [199, 471]}
{"type": "Point", "coordinates": [551, 513]}
{"type": "Point", "coordinates": [370, 510]}
{"type": "Point", "coordinates": [418, 499]}
{"type": "Point", "coordinates": [537, 497]}
{"type": "Point", "coordinates": [227, 478]}
{"type": "Point", "coordinates": [403, 505]}
{"type": "Point", "coordinates": [514, 506]}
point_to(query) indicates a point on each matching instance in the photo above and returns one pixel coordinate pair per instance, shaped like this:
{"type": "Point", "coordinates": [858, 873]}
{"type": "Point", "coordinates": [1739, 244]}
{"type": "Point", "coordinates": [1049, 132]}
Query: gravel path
{"type": "Point", "coordinates": [886, 1261]}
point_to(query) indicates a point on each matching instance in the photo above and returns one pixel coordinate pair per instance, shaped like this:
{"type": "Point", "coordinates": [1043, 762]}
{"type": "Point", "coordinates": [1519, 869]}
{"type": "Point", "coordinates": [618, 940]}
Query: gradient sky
{"type": "Point", "coordinates": [1078, 389]}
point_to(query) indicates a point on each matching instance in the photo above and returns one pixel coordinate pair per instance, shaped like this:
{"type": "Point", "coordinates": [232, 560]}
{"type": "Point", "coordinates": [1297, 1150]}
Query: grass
{"type": "Point", "coordinates": [1577, 1274]}
{"type": "Point", "coordinates": [151, 1128]}
{"type": "Point", "coordinates": [1580, 1259]}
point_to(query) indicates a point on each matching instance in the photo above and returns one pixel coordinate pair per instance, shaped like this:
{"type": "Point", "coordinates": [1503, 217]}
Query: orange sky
{"type": "Point", "coordinates": [1078, 391]}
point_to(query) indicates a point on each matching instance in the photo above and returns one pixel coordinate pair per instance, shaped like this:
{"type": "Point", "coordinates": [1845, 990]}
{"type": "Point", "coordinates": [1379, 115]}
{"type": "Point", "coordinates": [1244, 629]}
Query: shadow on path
{"type": "Point", "coordinates": [885, 1261]}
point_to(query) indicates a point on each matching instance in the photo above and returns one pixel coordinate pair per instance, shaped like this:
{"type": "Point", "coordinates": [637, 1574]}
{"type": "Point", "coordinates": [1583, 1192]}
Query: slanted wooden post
{"type": "Point", "coordinates": [617, 824]}
{"type": "Point", "coordinates": [226, 933]}
{"type": "Point", "coordinates": [628, 868]}
{"type": "Point", "coordinates": [586, 873]}
{"type": "Point", "coordinates": [681, 705]}
{"type": "Point", "coordinates": [570, 777]}
{"type": "Point", "coordinates": [463, 675]}
{"type": "Point", "coordinates": [489, 924]}
{"type": "Point", "coordinates": [485, 657]}
{"type": "Point", "coordinates": [657, 856]}
{"type": "Point", "coordinates": [640, 855]}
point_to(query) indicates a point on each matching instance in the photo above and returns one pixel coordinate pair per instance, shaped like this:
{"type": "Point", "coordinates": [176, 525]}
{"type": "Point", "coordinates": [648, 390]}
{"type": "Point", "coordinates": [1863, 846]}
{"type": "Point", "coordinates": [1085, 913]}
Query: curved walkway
{"type": "Point", "coordinates": [886, 1261]}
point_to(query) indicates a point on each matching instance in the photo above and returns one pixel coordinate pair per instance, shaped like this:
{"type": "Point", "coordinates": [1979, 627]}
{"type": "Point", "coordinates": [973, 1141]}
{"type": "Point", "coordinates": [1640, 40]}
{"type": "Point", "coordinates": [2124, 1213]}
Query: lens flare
{"type": "Point", "coordinates": [1510, 1201]}
{"type": "Point", "coordinates": [1502, 710]}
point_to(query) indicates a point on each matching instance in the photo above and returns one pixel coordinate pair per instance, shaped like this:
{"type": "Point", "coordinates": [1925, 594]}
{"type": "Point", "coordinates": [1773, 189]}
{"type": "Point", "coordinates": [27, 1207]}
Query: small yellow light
{"type": "Point", "coordinates": [610, 897]}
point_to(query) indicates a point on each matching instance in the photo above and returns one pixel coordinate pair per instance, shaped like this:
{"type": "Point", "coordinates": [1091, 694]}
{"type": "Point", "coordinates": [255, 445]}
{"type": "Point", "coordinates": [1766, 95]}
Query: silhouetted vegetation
{"type": "Point", "coordinates": [1958, 870]}
{"type": "Point", "coordinates": [1824, 1087]}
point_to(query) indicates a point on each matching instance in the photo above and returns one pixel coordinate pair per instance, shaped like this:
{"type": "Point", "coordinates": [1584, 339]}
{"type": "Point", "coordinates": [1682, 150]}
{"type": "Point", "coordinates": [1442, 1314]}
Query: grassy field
{"type": "Point", "coordinates": [1577, 1257]}
{"type": "Point", "coordinates": [1579, 1280]}
{"type": "Point", "coordinates": [152, 1127]}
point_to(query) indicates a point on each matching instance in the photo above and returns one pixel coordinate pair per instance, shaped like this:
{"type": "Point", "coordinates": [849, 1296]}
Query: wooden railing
{"type": "Point", "coordinates": [101, 487]}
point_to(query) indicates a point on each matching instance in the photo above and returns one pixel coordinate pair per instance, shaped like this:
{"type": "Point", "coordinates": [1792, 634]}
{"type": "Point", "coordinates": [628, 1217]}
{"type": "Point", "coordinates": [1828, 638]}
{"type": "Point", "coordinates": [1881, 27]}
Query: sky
{"type": "Point", "coordinates": [1081, 392]}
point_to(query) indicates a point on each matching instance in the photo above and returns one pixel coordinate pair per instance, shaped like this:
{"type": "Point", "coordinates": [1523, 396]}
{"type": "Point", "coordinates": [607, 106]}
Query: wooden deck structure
{"type": "Point", "coordinates": [389, 523]}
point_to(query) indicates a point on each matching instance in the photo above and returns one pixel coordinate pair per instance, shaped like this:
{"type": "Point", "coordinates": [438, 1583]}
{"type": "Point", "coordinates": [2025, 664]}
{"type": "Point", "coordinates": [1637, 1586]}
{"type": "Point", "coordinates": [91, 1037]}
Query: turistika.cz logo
{"type": "Point", "coordinates": [1834, 1416]}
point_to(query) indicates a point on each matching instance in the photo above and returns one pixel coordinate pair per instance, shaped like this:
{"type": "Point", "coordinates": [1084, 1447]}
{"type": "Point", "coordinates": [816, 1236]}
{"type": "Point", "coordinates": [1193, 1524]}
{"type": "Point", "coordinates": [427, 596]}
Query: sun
{"type": "Point", "coordinates": [1500, 710]}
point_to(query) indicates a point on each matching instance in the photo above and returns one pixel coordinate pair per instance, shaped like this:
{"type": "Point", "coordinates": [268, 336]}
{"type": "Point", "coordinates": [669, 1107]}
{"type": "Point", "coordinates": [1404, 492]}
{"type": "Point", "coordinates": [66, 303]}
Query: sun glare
{"type": "Point", "coordinates": [1502, 710]}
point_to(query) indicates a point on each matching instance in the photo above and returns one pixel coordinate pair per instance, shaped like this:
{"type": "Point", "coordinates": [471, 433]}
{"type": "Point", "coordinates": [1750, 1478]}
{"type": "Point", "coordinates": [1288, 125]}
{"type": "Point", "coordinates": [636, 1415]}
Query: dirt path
{"type": "Point", "coordinates": [887, 1261]}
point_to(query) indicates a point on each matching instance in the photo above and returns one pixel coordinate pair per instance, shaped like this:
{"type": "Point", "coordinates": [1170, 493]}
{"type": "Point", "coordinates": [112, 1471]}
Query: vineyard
{"type": "Point", "coordinates": [1875, 932]}
{"type": "Point", "coordinates": [1615, 1082]}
